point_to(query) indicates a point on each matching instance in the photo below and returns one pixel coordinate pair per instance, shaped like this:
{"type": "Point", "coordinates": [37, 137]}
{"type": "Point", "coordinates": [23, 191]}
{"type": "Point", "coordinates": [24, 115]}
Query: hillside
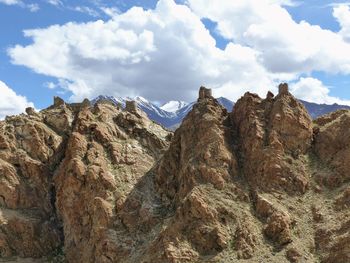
{"type": "Point", "coordinates": [171, 114]}
{"type": "Point", "coordinates": [103, 183]}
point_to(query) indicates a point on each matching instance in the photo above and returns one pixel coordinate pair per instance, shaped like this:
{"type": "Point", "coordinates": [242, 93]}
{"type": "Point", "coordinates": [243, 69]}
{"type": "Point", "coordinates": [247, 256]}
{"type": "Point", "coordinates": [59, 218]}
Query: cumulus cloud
{"type": "Point", "coordinates": [283, 44]}
{"type": "Point", "coordinates": [167, 53]}
{"type": "Point", "coordinates": [10, 102]}
{"type": "Point", "coordinates": [311, 89]}
{"type": "Point", "coordinates": [162, 54]}
{"type": "Point", "coordinates": [342, 14]}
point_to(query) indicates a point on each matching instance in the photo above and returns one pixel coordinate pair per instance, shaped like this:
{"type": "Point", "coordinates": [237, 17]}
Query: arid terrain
{"type": "Point", "coordinates": [99, 183]}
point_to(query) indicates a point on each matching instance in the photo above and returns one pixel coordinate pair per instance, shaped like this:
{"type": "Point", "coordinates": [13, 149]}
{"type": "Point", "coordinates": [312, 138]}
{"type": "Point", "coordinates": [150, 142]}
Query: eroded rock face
{"type": "Point", "coordinates": [201, 147]}
{"type": "Point", "coordinates": [332, 150]}
{"type": "Point", "coordinates": [332, 146]}
{"type": "Point", "coordinates": [63, 172]}
{"type": "Point", "coordinates": [108, 152]}
{"type": "Point", "coordinates": [29, 152]}
{"type": "Point", "coordinates": [104, 184]}
{"type": "Point", "coordinates": [272, 135]}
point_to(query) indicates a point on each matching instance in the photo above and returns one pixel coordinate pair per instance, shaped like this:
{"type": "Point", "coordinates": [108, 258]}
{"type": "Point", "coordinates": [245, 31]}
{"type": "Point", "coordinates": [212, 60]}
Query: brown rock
{"type": "Point", "coordinates": [30, 111]}
{"type": "Point", "coordinates": [278, 222]}
{"type": "Point", "coordinates": [278, 228]}
{"type": "Point", "coordinates": [95, 183]}
{"type": "Point", "coordinates": [57, 102]}
{"type": "Point", "coordinates": [270, 95]}
{"type": "Point", "coordinates": [342, 202]}
{"type": "Point", "coordinates": [316, 214]}
{"type": "Point", "coordinates": [293, 255]}
{"type": "Point", "coordinates": [283, 89]}
{"type": "Point", "coordinates": [199, 149]}
{"type": "Point", "coordinates": [92, 176]}
{"type": "Point", "coordinates": [28, 227]}
{"type": "Point", "coordinates": [271, 136]}
{"type": "Point", "coordinates": [246, 241]}
{"type": "Point", "coordinates": [131, 106]}
{"type": "Point", "coordinates": [332, 146]}
{"type": "Point", "coordinates": [204, 93]}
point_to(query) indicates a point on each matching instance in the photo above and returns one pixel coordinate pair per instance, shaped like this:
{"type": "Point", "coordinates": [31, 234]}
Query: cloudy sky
{"type": "Point", "coordinates": [164, 50]}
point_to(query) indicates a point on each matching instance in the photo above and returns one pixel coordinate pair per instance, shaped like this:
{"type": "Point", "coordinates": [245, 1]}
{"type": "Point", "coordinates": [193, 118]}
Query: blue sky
{"type": "Point", "coordinates": [142, 67]}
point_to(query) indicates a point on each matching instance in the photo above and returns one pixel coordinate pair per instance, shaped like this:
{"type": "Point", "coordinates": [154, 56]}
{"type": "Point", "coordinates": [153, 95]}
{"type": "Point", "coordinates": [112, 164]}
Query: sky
{"type": "Point", "coordinates": [165, 50]}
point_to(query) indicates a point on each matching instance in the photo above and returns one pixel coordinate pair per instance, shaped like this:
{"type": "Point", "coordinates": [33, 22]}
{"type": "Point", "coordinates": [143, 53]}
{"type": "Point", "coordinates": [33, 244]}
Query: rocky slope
{"type": "Point", "coordinates": [172, 113]}
{"type": "Point", "coordinates": [64, 170]}
{"type": "Point", "coordinates": [101, 184]}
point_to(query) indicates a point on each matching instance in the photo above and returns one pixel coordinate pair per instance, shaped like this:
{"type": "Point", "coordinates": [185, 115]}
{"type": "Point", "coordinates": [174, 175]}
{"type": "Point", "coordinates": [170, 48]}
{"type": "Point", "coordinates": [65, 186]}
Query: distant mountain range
{"type": "Point", "coordinates": [316, 110]}
{"type": "Point", "coordinates": [171, 113]}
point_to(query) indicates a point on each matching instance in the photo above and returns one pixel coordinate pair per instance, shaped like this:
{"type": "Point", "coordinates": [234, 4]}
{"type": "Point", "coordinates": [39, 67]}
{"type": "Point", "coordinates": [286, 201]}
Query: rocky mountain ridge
{"type": "Point", "coordinates": [163, 115]}
{"type": "Point", "coordinates": [171, 114]}
{"type": "Point", "coordinates": [102, 183]}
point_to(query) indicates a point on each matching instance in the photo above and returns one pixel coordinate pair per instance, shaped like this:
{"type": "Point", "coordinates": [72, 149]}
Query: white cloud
{"type": "Point", "coordinates": [55, 2]}
{"type": "Point", "coordinates": [336, 4]}
{"type": "Point", "coordinates": [283, 44]}
{"type": "Point", "coordinates": [90, 11]}
{"type": "Point", "coordinates": [111, 11]}
{"type": "Point", "coordinates": [311, 89]}
{"type": "Point", "coordinates": [161, 54]}
{"type": "Point", "coordinates": [31, 7]}
{"type": "Point", "coordinates": [342, 14]}
{"type": "Point", "coordinates": [292, 3]}
{"type": "Point", "coordinates": [86, 10]}
{"type": "Point", "coordinates": [167, 53]}
{"type": "Point", "coordinates": [10, 102]}
{"type": "Point", "coordinates": [11, 2]}
{"type": "Point", "coordinates": [50, 85]}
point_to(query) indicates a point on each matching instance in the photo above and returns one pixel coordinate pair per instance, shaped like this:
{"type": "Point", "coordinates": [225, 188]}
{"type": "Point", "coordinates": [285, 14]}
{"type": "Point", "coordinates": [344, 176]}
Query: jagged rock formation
{"type": "Point", "coordinates": [260, 184]}
{"type": "Point", "coordinates": [171, 114]}
{"type": "Point", "coordinates": [63, 170]}
{"type": "Point", "coordinates": [271, 134]}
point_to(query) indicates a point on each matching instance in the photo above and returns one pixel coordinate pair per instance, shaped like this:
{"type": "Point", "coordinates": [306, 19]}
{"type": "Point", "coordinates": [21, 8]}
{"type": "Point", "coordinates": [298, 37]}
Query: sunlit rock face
{"type": "Point", "coordinates": [100, 183]}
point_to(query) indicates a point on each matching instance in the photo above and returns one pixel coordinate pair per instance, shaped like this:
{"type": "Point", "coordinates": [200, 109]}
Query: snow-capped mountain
{"type": "Point", "coordinates": [171, 114]}
{"type": "Point", "coordinates": [173, 105]}
{"type": "Point", "coordinates": [113, 99]}
{"type": "Point", "coordinates": [154, 112]}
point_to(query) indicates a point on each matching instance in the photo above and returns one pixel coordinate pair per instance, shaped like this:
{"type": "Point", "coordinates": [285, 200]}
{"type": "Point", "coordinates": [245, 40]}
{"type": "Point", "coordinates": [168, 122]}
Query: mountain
{"type": "Point", "coordinates": [173, 105]}
{"type": "Point", "coordinates": [102, 183]}
{"type": "Point", "coordinates": [150, 108]}
{"type": "Point", "coordinates": [170, 118]}
{"type": "Point", "coordinates": [167, 119]}
{"type": "Point", "coordinates": [61, 167]}
{"type": "Point", "coordinates": [316, 110]}
{"type": "Point", "coordinates": [228, 104]}
{"type": "Point", "coordinates": [171, 114]}
{"type": "Point", "coordinates": [114, 100]}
